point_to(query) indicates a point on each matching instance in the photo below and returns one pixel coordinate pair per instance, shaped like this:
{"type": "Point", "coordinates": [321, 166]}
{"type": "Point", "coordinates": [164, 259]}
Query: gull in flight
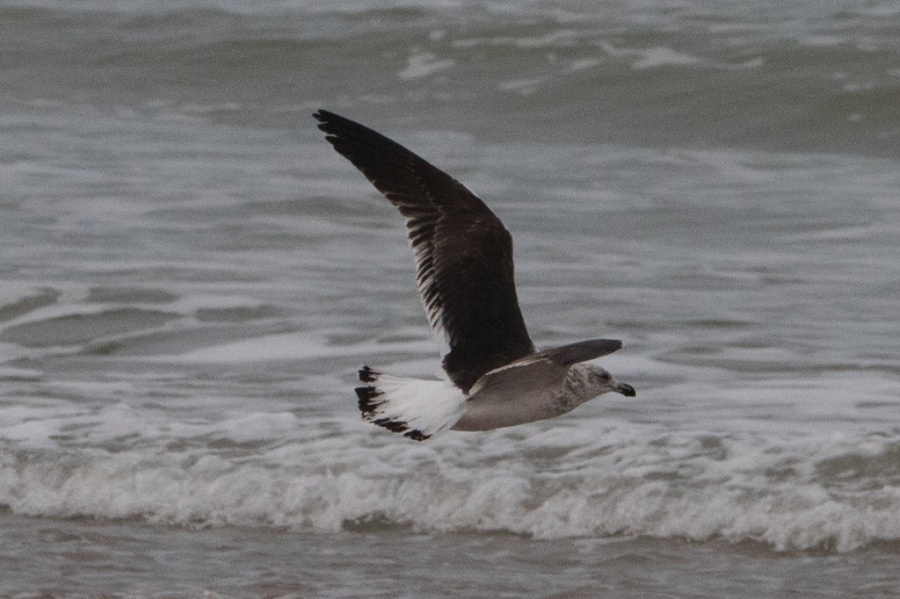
{"type": "Point", "coordinates": [464, 269]}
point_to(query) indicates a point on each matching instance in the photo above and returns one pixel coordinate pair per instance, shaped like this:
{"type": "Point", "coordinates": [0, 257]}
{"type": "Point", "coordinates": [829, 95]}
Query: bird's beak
{"type": "Point", "coordinates": [625, 389]}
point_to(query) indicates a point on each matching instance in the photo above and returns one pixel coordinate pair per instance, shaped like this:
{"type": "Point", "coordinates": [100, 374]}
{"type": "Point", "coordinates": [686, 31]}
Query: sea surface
{"type": "Point", "coordinates": [190, 277]}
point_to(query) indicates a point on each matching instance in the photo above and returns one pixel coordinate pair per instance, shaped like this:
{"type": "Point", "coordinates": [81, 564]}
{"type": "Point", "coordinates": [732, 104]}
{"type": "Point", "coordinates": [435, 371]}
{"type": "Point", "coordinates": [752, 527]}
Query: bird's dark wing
{"type": "Point", "coordinates": [582, 351]}
{"type": "Point", "coordinates": [545, 369]}
{"type": "Point", "coordinates": [463, 252]}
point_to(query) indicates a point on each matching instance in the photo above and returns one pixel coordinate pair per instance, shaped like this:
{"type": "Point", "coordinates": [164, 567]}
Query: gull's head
{"type": "Point", "coordinates": [605, 383]}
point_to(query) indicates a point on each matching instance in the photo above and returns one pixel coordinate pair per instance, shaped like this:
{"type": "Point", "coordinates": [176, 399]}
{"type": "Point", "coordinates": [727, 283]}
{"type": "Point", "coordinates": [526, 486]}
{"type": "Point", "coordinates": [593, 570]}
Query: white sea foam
{"type": "Point", "coordinates": [586, 477]}
{"type": "Point", "coordinates": [422, 64]}
{"type": "Point", "coordinates": [650, 58]}
{"type": "Point", "coordinates": [294, 346]}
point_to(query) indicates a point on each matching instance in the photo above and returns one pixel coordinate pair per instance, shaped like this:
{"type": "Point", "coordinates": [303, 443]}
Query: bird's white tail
{"type": "Point", "coordinates": [415, 408]}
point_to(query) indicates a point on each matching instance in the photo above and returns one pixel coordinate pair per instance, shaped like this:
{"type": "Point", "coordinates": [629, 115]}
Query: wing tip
{"type": "Point", "coordinates": [323, 115]}
{"type": "Point", "coordinates": [328, 122]}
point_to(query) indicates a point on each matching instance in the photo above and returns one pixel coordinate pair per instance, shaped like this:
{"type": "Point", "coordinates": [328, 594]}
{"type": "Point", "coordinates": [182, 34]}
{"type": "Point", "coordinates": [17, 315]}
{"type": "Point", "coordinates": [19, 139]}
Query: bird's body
{"type": "Point", "coordinates": [465, 278]}
{"type": "Point", "coordinates": [501, 399]}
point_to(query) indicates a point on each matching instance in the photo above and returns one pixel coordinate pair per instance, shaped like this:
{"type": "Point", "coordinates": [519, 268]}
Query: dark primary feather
{"type": "Point", "coordinates": [463, 252]}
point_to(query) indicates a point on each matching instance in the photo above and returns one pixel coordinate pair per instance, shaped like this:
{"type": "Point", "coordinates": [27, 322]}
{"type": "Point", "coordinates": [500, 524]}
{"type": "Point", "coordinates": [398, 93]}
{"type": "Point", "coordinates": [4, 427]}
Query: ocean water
{"type": "Point", "coordinates": [191, 276]}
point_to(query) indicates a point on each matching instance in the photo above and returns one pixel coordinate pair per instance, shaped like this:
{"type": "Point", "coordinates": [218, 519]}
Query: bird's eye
{"type": "Point", "coordinates": [604, 376]}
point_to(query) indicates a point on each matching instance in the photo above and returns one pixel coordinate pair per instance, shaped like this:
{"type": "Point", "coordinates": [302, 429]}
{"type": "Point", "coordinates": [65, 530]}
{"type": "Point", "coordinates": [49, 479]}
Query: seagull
{"type": "Point", "coordinates": [464, 270]}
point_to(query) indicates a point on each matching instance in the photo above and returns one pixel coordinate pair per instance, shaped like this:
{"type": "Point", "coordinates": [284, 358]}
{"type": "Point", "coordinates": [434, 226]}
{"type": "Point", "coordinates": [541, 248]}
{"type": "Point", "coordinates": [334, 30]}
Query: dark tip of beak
{"type": "Point", "coordinates": [625, 389]}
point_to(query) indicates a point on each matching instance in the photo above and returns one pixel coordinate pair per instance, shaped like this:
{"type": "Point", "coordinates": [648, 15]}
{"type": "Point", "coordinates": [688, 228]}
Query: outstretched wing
{"type": "Point", "coordinates": [463, 252]}
{"type": "Point", "coordinates": [548, 368]}
{"type": "Point", "coordinates": [582, 351]}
